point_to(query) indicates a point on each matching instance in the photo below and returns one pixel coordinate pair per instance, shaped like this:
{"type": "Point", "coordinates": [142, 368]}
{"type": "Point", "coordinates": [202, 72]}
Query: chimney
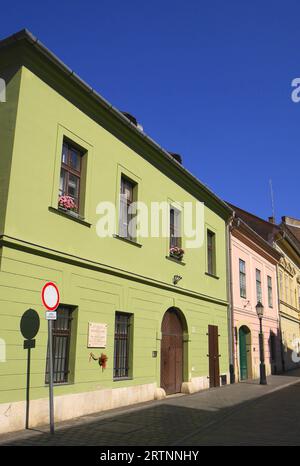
{"type": "Point", "coordinates": [271, 220]}
{"type": "Point", "coordinates": [177, 157]}
{"type": "Point", "coordinates": [133, 120]}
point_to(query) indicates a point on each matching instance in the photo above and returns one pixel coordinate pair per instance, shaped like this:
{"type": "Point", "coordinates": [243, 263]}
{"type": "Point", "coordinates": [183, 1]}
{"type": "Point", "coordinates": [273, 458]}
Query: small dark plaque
{"type": "Point", "coordinates": [28, 344]}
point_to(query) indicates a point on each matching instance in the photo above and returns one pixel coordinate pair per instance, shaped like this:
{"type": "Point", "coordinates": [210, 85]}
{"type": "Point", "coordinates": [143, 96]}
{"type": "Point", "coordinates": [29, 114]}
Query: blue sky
{"type": "Point", "coordinates": [210, 79]}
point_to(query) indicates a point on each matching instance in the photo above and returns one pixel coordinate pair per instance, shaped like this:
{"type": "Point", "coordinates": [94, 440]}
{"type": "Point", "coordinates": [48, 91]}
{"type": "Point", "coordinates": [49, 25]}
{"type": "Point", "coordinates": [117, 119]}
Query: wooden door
{"type": "Point", "coordinates": [213, 354]}
{"type": "Point", "coordinates": [171, 352]}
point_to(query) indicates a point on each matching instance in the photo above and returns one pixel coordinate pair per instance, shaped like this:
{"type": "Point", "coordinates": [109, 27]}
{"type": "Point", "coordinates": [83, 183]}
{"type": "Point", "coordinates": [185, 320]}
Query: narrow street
{"type": "Point", "coordinates": [241, 414]}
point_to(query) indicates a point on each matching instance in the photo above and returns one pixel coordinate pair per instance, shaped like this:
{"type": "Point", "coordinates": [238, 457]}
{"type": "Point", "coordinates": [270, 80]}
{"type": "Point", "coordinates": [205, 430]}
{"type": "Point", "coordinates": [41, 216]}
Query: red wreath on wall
{"type": "Point", "coordinates": [102, 360]}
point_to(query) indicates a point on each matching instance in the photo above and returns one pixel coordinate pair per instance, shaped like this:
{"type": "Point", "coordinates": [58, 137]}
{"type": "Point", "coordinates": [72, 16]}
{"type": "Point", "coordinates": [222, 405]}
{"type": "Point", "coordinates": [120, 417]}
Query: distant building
{"type": "Point", "coordinates": [254, 279]}
{"type": "Point", "coordinates": [285, 239]}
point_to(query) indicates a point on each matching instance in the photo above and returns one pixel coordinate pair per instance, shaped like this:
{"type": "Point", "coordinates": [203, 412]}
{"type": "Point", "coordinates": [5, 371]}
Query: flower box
{"type": "Point", "coordinates": [176, 253]}
{"type": "Point", "coordinates": [67, 204]}
{"type": "Point", "coordinates": [69, 212]}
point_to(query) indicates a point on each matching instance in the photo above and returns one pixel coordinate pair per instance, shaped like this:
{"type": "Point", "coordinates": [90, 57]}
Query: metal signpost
{"type": "Point", "coordinates": [50, 298]}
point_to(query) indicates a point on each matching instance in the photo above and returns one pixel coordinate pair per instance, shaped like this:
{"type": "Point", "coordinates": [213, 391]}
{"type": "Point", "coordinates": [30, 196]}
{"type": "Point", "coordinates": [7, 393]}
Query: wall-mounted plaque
{"type": "Point", "coordinates": [97, 335]}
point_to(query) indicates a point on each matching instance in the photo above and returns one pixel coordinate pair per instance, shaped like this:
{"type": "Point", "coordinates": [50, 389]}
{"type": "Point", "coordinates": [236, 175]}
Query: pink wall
{"type": "Point", "coordinates": [244, 308]}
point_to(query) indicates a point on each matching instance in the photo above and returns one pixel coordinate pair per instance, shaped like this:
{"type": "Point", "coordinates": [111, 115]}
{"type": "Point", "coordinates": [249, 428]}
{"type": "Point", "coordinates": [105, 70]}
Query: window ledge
{"type": "Point", "coordinates": [64, 213]}
{"type": "Point", "coordinates": [120, 379]}
{"type": "Point", "coordinates": [59, 384]}
{"type": "Point", "coordinates": [127, 240]}
{"type": "Point", "coordinates": [177, 261]}
{"type": "Point", "coordinates": [212, 275]}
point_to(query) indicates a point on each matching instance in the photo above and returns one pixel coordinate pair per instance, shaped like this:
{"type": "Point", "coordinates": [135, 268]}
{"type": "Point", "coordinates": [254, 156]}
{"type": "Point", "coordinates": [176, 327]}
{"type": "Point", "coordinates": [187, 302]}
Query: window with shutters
{"type": "Point", "coordinates": [291, 291]}
{"type": "Point", "coordinates": [270, 291]}
{"type": "Point", "coordinates": [286, 287]}
{"type": "Point", "coordinates": [258, 285]}
{"type": "Point", "coordinates": [175, 228]}
{"type": "Point", "coordinates": [211, 252]}
{"type": "Point", "coordinates": [242, 265]}
{"type": "Point", "coordinates": [128, 195]}
{"type": "Point", "coordinates": [281, 284]}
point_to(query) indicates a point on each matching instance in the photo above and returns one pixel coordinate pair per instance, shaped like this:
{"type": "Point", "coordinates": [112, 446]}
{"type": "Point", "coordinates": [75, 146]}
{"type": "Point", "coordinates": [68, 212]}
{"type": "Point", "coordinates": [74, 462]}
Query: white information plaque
{"type": "Point", "coordinates": [97, 335]}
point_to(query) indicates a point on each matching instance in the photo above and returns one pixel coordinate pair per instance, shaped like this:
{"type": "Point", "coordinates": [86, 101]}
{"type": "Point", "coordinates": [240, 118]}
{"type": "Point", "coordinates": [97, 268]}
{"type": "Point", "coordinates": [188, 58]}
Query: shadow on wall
{"type": "Point", "coordinates": [291, 354]}
{"type": "Point", "coordinates": [283, 357]}
{"type": "Point", "coordinates": [275, 353]}
{"type": "Point", "coordinates": [29, 327]}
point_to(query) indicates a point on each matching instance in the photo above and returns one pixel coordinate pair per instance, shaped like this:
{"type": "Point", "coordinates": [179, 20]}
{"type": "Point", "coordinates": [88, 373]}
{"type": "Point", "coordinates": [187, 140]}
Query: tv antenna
{"type": "Point", "coordinates": [272, 198]}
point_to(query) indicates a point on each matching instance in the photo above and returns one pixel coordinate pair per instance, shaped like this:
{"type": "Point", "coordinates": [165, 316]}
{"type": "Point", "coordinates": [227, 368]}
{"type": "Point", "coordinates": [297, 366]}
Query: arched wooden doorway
{"type": "Point", "coordinates": [245, 353]}
{"type": "Point", "coordinates": [172, 351]}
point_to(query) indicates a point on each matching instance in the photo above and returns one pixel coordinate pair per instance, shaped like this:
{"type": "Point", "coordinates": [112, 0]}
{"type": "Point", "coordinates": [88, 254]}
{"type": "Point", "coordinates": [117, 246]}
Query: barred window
{"type": "Point", "coordinates": [258, 286]}
{"type": "Point", "coordinates": [122, 345]}
{"type": "Point", "coordinates": [242, 279]}
{"type": "Point", "coordinates": [270, 292]}
{"type": "Point", "coordinates": [61, 336]}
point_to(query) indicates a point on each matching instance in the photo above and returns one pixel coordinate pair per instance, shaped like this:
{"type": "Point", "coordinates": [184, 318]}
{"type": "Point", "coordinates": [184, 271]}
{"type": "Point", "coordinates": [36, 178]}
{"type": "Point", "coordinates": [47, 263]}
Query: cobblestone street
{"type": "Point", "coordinates": [240, 414]}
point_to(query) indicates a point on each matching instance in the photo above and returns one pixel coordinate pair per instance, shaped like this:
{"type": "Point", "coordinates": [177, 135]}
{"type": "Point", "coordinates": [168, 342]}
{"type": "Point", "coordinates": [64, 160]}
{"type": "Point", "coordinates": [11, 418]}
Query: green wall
{"type": "Point", "coordinates": [8, 117]}
{"type": "Point", "coordinates": [97, 296]}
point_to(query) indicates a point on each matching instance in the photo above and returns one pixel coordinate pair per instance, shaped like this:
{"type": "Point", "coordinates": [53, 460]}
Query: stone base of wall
{"type": "Point", "coordinates": [12, 415]}
{"type": "Point", "coordinates": [200, 383]}
{"type": "Point", "coordinates": [195, 385]}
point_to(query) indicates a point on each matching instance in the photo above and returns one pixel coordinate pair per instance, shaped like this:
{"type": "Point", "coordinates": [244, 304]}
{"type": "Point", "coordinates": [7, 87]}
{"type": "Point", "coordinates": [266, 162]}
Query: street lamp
{"type": "Point", "coordinates": [262, 367]}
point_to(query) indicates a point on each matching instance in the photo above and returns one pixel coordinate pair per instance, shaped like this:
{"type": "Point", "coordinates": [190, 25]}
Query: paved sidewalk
{"type": "Point", "coordinates": [232, 414]}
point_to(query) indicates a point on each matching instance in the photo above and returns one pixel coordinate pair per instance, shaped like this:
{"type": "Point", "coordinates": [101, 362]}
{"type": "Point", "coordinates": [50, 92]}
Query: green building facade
{"type": "Point", "coordinates": [162, 337]}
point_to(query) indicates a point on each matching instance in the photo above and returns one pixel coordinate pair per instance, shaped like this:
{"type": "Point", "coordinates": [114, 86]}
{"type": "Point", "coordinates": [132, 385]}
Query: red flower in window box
{"type": "Point", "coordinates": [67, 202]}
{"type": "Point", "coordinates": [176, 252]}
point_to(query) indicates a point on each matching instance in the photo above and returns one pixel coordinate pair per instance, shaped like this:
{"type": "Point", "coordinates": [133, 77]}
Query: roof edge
{"type": "Point", "coordinates": [25, 34]}
{"type": "Point", "coordinates": [239, 223]}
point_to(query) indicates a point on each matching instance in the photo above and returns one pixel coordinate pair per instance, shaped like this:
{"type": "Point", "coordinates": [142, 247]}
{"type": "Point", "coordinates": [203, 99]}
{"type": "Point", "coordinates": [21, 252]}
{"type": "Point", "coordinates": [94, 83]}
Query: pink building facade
{"type": "Point", "coordinates": [254, 279]}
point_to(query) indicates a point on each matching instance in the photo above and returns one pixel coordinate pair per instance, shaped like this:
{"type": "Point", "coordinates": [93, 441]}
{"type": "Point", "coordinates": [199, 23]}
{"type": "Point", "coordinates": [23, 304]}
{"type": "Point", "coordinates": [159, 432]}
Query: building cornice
{"type": "Point", "coordinates": [42, 251]}
{"type": "Point", "coordinates": [289, 317]}
{"type": "Point", "coordinates": [284, 235]}
{"type": "Point", "coordinates": [255, 241]}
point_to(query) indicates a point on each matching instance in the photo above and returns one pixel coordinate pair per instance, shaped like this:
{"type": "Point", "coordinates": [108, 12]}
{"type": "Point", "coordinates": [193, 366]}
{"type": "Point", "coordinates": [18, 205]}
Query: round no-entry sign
{"type": "Point", "coordinates": [50, 296]}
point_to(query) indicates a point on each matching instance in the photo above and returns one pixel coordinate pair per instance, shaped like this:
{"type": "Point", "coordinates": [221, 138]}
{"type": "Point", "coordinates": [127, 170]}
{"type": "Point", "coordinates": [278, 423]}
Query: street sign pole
{"type": "Point", "coordinates": [51, 404]}
{"type": "Point", "coordinates": [50, 299]}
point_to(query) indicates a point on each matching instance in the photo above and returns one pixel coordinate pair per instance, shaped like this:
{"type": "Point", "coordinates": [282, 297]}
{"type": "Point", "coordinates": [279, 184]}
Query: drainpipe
{"type": "Point", "coordinates": [230, 303]}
